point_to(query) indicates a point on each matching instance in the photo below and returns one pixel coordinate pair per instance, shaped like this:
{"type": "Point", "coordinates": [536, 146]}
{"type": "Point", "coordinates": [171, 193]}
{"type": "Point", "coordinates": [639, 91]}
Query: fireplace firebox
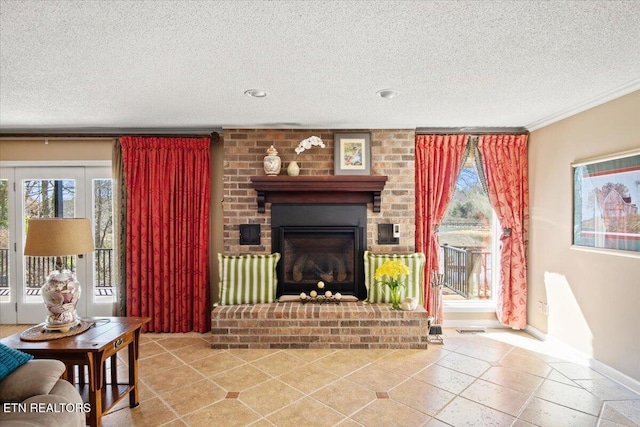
{"type": "Point", "coordinates": [319, 243]}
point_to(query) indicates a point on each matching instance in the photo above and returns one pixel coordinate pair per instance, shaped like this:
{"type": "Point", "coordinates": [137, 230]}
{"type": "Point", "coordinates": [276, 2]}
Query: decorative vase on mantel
{"type": "Point", "coordinates": [272, 161]}
{"type": "Point", "coordinates": [293, 169]}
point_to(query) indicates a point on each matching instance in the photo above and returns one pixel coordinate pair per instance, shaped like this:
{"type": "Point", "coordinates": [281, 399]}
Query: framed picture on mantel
{"type": "Point", "coordinates": [352, 153]}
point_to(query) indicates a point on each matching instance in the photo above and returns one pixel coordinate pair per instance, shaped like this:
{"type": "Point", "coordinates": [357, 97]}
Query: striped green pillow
{"type": "Point", "coordinates": [380, 293]}
{"type": "Point", "coordinates": [247, 279]}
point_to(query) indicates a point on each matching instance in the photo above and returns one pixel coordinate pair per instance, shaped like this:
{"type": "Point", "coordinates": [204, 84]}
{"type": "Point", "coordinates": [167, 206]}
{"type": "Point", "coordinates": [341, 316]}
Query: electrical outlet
{"type": "Point", "coordinates": [543, 308]}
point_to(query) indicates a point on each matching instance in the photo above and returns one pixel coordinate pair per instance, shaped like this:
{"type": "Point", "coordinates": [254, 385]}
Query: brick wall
{"type": "Point", "coordinates": [393, 155]}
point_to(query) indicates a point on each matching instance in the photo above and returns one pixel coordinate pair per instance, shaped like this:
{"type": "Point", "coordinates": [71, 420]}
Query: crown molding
{"type": "Point", "coordinates": [619, 92]}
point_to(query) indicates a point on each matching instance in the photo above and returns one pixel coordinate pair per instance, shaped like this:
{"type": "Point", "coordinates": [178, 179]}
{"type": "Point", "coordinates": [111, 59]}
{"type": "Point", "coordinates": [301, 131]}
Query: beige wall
{"type": "Point", "coordinates": [216, 233]}
{"type": "Point", "coordinates": [594, 298]}
{"type": "Point", "coordinates": [12, 149]}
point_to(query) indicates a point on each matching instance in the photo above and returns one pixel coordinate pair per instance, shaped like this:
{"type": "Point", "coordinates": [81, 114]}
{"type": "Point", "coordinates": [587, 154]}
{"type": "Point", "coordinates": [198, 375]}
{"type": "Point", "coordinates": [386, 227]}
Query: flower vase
{"type": "Point", "coordinates": [395, 298]}
{"type": "Point", "coordinates": [293, 169]}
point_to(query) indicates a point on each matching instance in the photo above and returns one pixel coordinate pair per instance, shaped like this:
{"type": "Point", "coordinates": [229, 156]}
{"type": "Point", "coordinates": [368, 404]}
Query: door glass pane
{"type": "Point", "coordinates": [466, 240]}
{"type": "Point", "coordinates": [44, 198]}
{"type": "Point", "coordinates": [103, 240]}
{"type": "Point", "coordinates": [5, 295]}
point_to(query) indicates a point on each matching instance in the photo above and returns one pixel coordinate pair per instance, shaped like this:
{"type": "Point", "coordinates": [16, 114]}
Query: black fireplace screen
{"type": "Point", "coordinates": [327, 256]}
{"type": "Point", "coordinates": [312, 254]}
{"type": "Point", "coordinates": [320, 242]}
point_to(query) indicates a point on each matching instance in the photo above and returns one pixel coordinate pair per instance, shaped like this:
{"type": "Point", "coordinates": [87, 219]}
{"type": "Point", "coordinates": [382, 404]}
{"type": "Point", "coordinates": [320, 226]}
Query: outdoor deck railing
{"type": "Point", "coordinates": [467, 272]}
{"type": "Point", "coordinates": [4, 267]}
{"type": "Point", "coordinates": [38, 268]}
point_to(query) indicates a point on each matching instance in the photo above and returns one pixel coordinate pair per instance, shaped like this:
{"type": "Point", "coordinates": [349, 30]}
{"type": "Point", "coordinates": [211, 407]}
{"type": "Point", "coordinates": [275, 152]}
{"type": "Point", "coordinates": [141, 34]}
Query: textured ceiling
{"type": "Point", "coordinates": [185, 64]}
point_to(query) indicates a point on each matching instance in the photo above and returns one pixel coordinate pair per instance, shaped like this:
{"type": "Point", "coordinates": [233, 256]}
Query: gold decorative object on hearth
{"type": "Point", "coordinates": [327, 298]}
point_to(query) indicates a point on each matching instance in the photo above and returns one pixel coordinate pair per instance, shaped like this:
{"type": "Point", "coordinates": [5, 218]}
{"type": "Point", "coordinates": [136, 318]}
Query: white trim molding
{"type": "Point", "coordinates": [470, 323]}
{"type": "Point", "coordinates": [458, 306]}
{"type": "Point", "coordinates": [604, 251]}
{"type": "Point", "coordinates": [619, 92]}
{"type": "Point", "coordinates": [584, 359]}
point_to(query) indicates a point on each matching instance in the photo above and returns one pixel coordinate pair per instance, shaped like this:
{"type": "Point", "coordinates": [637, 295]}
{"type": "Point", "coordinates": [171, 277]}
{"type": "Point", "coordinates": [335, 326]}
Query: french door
{"type": "Point", "coordinates": [45, 192]}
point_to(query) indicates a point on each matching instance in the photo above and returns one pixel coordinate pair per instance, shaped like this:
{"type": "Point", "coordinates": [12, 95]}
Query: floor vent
{"type": "Point", "coordinates": [472, 330]}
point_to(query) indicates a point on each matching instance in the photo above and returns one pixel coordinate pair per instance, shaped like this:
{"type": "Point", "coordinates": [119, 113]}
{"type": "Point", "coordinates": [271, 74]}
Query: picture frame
{"type": "Point", "coordinates": [606, 203]}
{"type": "Point", "coordinates": [352, 153]}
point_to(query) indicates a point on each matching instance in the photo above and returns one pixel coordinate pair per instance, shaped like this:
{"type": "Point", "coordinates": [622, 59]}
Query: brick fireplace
{"type": "Point", "coordinates": [392, 153]}
{"type": "Point", "coordinates": [292, 324]}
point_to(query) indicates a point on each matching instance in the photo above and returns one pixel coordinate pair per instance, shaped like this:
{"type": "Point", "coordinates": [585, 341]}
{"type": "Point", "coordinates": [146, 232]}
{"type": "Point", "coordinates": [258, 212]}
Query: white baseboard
{"type": "Point", "coordinates": [583, 358]}
{"type": "Point", "coordinates": [487, 323]}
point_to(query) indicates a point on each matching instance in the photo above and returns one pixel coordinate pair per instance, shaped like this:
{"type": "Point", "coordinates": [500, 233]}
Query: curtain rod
{"type": "Point", "coordinates": [473, 131]}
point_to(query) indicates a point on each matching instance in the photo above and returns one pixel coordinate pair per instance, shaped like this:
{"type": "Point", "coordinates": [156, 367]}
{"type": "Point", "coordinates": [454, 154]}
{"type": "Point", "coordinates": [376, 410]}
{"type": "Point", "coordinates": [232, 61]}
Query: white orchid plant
{"type": "Point", "coordinates": [312, 141]}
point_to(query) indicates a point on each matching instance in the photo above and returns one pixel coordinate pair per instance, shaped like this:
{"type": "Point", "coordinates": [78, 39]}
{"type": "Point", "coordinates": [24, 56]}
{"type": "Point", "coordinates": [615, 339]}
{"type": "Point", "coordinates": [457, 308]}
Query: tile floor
{"type": "Point", "coordinates": [498, 378]}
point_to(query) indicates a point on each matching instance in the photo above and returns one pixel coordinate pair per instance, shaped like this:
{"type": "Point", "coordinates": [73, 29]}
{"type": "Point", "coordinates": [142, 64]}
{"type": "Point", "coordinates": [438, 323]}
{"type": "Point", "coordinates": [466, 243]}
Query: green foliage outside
{"type": "Point", "coordinates": [4, 214]}
{"type": "Point", "coordinates": [468, 220]}
{"type": "Point", "coordinates": [40, 202]}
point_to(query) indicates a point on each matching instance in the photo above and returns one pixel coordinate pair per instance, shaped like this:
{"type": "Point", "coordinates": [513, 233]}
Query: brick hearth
{"type": "Point", "coordinates": [347, 325]}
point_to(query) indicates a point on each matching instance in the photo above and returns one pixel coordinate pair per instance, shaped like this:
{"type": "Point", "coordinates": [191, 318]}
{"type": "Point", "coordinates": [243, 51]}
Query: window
{"type": "Point", "coordinates": [4, 241]}
{"type": "Point", "coordinates": [51, 191]}
{"type": "Point", "coordinates": [102, 209]}
{"type": "Point", "coordinates": [468, 241]}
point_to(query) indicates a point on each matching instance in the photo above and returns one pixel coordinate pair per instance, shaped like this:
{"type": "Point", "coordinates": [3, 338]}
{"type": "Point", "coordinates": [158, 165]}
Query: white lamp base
{"type": "Point", "coordinates": [61, 328]}
{"type": "Point", "coordinates": [60, 294]}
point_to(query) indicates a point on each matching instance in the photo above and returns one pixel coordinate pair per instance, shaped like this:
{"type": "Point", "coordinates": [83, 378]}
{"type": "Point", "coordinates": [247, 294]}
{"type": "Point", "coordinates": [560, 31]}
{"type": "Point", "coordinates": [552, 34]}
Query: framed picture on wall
{"type": "Point", "coordinates": [352, 154]}
{"type": "Point", "coordinates": [606, 202]}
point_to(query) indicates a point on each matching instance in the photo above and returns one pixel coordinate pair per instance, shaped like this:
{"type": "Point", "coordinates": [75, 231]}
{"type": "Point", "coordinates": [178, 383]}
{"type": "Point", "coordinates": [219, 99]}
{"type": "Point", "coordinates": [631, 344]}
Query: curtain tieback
{"type": "Point", "coordinates": [506, 232]}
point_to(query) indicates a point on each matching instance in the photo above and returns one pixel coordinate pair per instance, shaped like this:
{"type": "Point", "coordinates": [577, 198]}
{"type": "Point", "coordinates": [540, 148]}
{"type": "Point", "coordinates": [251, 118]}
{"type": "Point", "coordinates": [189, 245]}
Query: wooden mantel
{"type": "Point", "coordinates": [318, 189]}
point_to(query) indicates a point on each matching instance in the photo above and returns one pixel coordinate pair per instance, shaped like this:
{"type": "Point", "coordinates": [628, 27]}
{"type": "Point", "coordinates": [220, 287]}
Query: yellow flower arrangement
{"type": "Point", "coordinates": [392, 273]}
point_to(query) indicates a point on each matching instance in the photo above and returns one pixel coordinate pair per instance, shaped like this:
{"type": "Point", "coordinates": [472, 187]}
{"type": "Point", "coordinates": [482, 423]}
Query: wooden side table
{"type": "Point", "coordinates": [92, 349]}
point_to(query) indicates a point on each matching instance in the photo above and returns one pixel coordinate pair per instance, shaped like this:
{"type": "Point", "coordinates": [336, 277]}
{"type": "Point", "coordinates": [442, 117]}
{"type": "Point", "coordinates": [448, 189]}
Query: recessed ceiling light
{"type": "Point", "coordinates": [255, 93]}
{"type": "Point", "coordinates": [387, 93]}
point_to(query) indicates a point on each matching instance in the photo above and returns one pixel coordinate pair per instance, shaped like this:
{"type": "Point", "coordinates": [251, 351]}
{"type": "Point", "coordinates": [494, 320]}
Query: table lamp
{"type": "Point", "coordinates": [57, 237]}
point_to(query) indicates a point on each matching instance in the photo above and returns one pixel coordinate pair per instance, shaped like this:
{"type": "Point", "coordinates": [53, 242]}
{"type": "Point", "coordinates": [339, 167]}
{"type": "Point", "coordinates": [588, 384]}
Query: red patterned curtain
{"type": "Point", "coordinates": [167, 231]}
{"type": "Point", "coordinates": [504, 162]}
{"type": "Point", "coordinates": [438, 160]}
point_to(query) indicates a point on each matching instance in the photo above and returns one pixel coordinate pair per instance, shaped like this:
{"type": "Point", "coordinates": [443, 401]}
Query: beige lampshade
{"type": "Point", "coordinates": [58, 237]}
